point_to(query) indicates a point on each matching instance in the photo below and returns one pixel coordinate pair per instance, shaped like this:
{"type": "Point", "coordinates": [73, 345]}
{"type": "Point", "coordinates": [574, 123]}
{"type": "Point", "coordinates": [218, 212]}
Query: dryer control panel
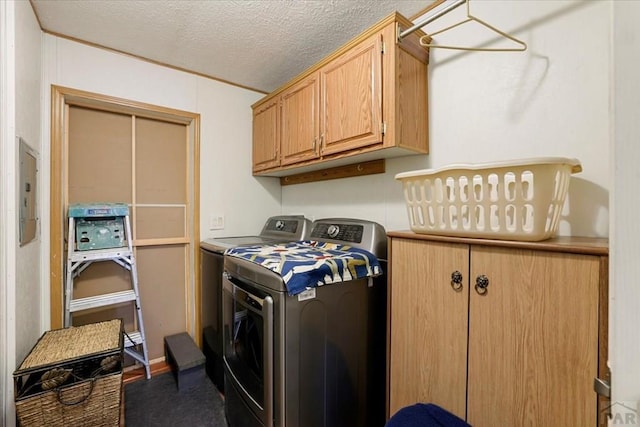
{"type": "Point", "coordinates": [360, 233]}
{"type": "Point", "coordinates": [346, 232]}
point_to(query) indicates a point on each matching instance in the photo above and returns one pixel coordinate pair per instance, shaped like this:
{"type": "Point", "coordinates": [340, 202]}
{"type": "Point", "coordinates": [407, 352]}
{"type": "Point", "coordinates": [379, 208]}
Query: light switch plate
{"type": "Point", "coordinates": [216, 222]}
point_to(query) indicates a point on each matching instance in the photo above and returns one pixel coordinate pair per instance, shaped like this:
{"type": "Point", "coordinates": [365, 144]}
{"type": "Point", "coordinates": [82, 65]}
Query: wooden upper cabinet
{"type": "Point", "coordinates": [352, 98]}
{"type": "Point", "coordinates": [266, 135]}
{"type": "Point", "coordinates": [300, 121]}
{"type": "Point", "coordinates": [366, 101]}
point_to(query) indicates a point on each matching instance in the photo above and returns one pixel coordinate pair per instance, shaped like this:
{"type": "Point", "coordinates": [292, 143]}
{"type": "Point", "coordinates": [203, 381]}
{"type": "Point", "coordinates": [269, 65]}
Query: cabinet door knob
{"type": "Point", "coordinates": [456, 281]}
{"type": "Point", "coordinates": [482, 283]}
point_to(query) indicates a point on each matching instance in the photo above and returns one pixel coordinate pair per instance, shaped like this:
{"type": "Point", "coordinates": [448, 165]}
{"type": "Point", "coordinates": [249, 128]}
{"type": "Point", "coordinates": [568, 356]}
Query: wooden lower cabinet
{"type": "Point", "coordinates": [522, 351]}
{"type": "Point", "coordinates": [428, 346]}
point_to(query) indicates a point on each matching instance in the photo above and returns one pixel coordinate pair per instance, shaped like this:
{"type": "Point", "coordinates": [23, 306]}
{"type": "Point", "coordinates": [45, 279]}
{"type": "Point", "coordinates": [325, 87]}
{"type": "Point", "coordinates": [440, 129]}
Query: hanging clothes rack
{"type": "Point", "coordinates": [427, 18]}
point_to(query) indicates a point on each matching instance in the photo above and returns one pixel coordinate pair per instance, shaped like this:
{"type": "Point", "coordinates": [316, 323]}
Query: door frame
{"type": "Point", "coordinates": [61, 99]}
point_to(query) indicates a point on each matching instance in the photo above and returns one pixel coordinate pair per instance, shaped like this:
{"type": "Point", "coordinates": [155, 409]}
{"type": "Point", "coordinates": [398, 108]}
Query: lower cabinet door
{"type": "Point", "coordinates": [533, 338]}
{"type": "Point", "coordinates": [428, 325]}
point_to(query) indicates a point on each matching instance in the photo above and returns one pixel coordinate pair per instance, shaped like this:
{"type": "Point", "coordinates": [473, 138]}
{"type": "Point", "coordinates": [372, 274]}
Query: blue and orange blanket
{"type": "Point", "coordinates": [308, 264]}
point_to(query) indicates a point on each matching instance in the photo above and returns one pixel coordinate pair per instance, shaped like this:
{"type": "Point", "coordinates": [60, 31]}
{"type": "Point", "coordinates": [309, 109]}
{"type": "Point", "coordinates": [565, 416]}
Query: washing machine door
{"type": "Point", "coordinates": [248, 346]}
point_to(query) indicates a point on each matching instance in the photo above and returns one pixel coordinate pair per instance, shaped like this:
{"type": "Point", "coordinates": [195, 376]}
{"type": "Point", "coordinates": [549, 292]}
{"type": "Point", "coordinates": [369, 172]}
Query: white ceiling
{"type": "Point", "coordinates": [257, 44]}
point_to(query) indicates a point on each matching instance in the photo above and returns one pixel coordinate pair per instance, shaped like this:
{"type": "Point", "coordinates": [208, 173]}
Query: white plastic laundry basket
{"type": "Point", "coordinates": [511, 200]}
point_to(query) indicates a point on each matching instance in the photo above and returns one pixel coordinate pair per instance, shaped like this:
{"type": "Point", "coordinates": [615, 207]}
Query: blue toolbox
{"type": "Point", "coordinates": [98, 210]}
{"type": "Point", "coordinates": [99, 226]}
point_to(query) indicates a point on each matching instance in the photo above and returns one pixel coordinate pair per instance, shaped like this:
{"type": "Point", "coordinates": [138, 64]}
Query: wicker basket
{"type": "Point", "coordinates": [512, 200]}
{"type": "Point", "coordinates": [72, 377]}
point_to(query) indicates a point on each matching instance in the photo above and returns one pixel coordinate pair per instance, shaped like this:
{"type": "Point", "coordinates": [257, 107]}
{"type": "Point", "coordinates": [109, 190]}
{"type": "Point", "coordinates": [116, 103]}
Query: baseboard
{"type": "Point", "coordinates": [138, 373]}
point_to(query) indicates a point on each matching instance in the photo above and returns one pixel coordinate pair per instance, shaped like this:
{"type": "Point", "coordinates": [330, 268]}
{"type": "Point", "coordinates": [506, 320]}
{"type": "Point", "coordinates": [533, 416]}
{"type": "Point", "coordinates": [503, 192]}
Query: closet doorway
{"type": "Point", "coordinates": [111, 150]}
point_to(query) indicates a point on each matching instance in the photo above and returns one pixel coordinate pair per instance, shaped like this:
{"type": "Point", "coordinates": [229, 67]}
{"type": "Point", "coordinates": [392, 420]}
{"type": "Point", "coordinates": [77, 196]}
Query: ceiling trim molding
{"type": "Point", "coordinates": [142, 58]}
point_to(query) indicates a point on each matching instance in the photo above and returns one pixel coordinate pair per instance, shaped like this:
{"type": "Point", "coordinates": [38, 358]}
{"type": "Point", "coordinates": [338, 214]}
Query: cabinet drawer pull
{"type": "Point", "coordinates": [456, 281]}
{"type": "Point", "coordinates": [482, 283]}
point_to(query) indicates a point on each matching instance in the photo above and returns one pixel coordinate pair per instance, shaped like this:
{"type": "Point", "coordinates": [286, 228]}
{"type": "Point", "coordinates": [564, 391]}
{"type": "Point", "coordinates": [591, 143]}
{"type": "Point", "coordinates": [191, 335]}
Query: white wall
{"type": "Point", "coordinates": [227, 187]}
{"type": "Point", "coordinates": [20, 297]}
{"type": "Point", "coordinates": [28, 126]}
{"type": "Point", "coordinates": [7, 206]}
{"type": "Point", "coordinates": [625, 228]}
{"type": "Point", "coordinates": [551, 100]}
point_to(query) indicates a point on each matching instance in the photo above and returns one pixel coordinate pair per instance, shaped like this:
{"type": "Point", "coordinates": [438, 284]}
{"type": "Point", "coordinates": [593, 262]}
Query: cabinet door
{"type": "Point", "coordinates": [533, 339]}
{"type": "Point", "coordinates": [266, 135]}
{"type": "Point", "coordinates": [352, 98]}
{"type": "Point", "coordinates": [428, 325]}
{"type": "Point", "coordinates": [300, 118]}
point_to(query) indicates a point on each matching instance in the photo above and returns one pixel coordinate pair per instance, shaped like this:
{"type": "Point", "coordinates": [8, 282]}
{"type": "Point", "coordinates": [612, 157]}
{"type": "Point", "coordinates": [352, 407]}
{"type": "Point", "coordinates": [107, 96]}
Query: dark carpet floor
{"type": "Point", "coordinates": [157, 402]}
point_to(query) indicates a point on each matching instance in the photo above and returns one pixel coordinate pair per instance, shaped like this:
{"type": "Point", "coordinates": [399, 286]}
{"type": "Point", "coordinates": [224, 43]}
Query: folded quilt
{"type": "Point", "coordinates": [308, 264]}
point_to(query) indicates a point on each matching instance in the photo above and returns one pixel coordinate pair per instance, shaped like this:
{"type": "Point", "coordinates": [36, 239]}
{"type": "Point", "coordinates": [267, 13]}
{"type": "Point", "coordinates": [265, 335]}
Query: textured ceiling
{"type": "Point", "coordinates": [258, 44]}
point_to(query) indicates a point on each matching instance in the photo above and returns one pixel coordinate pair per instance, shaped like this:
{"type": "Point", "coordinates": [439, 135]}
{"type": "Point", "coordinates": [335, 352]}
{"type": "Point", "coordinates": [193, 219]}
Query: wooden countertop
{"type": "Point", "coordinates": [572, 244]}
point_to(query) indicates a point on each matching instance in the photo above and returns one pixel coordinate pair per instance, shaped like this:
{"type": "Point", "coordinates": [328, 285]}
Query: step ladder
{"type": "Point", "coordinates": [103, 233]}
